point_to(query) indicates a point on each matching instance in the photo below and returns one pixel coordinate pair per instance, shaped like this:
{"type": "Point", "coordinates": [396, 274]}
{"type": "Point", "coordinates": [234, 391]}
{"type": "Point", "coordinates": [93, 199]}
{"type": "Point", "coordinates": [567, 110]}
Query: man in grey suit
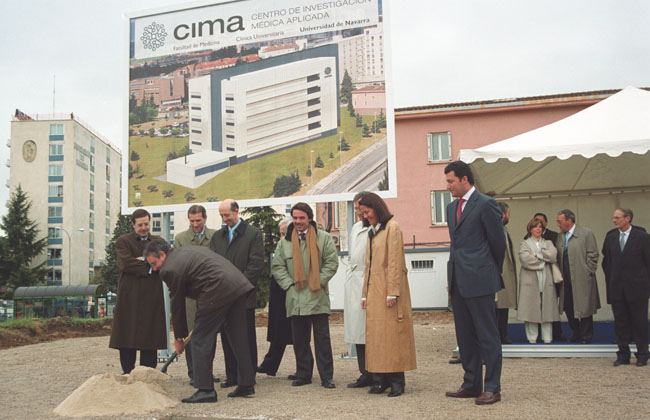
{"type": "Point", "coordinates": [577, 256]}
{"type": "Point", "coordinates": [198, 234]}
{"type": "Point", "coordinates": [478, 246]}
{"type": "Point", "coordinates": [241, 244]}
{"type": "Point", "coordinates": [220, 290]}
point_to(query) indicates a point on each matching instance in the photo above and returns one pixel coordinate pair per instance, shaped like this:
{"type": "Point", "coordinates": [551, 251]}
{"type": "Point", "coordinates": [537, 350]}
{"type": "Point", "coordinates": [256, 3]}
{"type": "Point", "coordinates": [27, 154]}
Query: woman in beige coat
{"type": "Point", "coordinates": [537, 300]}
{"type": "Point", "coordinates": [390, 345]}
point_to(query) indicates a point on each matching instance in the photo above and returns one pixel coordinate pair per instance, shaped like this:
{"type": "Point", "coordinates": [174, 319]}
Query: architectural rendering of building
{"type": "Point", "coordinates": [72, 176]}
{"type": "Point", "coordinates": [164, 90]}
{"type": "Point", "coordinates": [256, 108]}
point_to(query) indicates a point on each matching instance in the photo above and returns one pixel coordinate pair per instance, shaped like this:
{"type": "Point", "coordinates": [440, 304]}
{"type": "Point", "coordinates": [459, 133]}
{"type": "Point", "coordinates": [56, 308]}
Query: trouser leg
{"type": "Point", "coordinates": [252, 335]}
{"type": "Point", "coordinates": [204, 337]}
{"type": "Point", "coordinates": [587, 328]}
{"type": "Point", "coordinates": [547, 332]}
{"type": "Point", "coordinates": [273, 358]}
{"type": "Point", "coordinates": [238, 339]}
{"type": "Point", "coordinates": [361, 359]}
{"type": "Point", "coordinates": [301, 327]}
{"type": "Point", "coordinates": [127, 360]}
{"type": "Point", "coordinates": [568, 309]}
{"type": "Point", "coordinates": [323, 346]}
{"type": "Point", "coordinates": [502, 322]}
{"type": "Point", "coordinates": [531, 331]}
{"type": "Point", "coordinates": [188, 359]}
{"type": "Point", "coordinates": [639, 321]}
{"type": "Point", "coordinates": [149, 358]}
{"type": "Point", "coordinates": [230, 361]}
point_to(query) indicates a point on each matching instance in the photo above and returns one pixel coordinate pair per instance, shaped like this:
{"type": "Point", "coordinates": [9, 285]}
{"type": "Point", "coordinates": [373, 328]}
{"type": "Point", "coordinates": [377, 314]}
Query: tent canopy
{"type": "Point", "coordinates": [602, 148]}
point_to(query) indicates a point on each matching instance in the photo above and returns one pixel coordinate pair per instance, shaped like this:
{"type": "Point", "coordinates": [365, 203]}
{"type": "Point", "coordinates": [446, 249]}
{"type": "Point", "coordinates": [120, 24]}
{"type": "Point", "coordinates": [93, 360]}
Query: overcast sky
{"type": "Point", "coordinates": [442, 52]}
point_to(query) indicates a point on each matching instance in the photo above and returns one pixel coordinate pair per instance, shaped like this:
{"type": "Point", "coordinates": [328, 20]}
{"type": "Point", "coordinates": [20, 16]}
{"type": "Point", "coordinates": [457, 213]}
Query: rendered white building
{"type": "Point", "coordinates": [73, 178]}
{"type": "Point", "coordinates": [249, 110]}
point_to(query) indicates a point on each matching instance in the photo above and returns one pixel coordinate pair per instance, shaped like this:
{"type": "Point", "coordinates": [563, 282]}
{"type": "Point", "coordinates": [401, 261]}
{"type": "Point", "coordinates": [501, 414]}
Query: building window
{"type": "Point", "coordinates": [108, 226]}
{"type": "Point", "coordinates": [313, 77]}
{"type": "Point", "coordinates": [439, 145]}
{"type": "Point", "coordinates": [108, 156]}
{"type": "Point", "coordinates": [108, 173]}
{"type": "Point", "coordinates": [56, 129]}
{"type": "Point", "coordinates": [314, 126]}
{"type": "Point", "coordinates": [54, 233]}
{"type": "Point", "coordinates": [230, 123]}
{"type": "Point", "coordinates": [91, 220]}
{"type": "Point", "coordinates": [92, 164]}
{"type": "Point", "coordinates": [108, 190]}
{"type": "Point", "coordinates": [92, 201]}
{"type": "Point", "coordinates": [54, 277]}
{"type": "Point", "coordinates": [55, 170]}
{"type": "Point", "coordinates": [313, 89]}
{"type": "Point", "coordinates": [53, 211]}
{"type": "Point", "coordinates": [55, 190]}
{"type": "Point", "coordinates": [313, 114]}
{"type": "Point", "coordinates": [196, 108]}
{"type": "Point", "coordinates": [196, 120]}
{"type": "Point", "coordinates": [92, 182]}
{"type": "Point", "coordinates": [54, 253]}
{"type": "Point", "coordinates": [422, 265]}
{"type": "Point", "coordinates": [196, 131]}
{"type": "Point", "coordinates": [56, 150]}
{"type": "Point", "coordinates": [230, 110]}
{"type": "Point", "coordinates": [108, 208]}
{"type": "Point", "coordinates": [314, 101]}
{"type": "Point", "coordinates": [439, 201]}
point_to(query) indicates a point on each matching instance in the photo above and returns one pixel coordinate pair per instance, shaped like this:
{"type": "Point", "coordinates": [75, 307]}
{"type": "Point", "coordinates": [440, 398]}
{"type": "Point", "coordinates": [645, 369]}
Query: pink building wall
{"type": "Point", "coordinates": [470, 126]}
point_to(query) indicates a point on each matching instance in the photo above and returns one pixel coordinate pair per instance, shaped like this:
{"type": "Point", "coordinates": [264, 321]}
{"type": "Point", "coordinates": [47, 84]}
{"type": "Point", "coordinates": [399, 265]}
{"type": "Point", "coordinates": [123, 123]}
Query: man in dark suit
{"type": "Point", "coordinates": [626, 263]}
{"type": "Point", "coordinates": [550, 235]}
{"type": "Point", "coordinates": [220, 290]}
{"type": "Point", "coordinates": [478, 246]}
{"type": "Point", "coordinates": [139, 322]}
{"type": "Point", "coordinates": [241, 244]}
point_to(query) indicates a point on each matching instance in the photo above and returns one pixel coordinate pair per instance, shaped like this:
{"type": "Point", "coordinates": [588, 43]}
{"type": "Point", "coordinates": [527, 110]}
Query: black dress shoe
{"type": "Point", "coordinates": [586, 340]}
{"type": "Point", "coordinates": [292, 377]}
{"type": "Point", "coordinates": [378, 389]}
{"type": "Point", "coordinates": [202, 397]}
{"type": "Point", "coordinates": [463, 393]}
{"type": "Point", "coordinates": [621, 361]}
{"type": "Point", "coordinates": [260, 369]}
{"type": "Point", "coordinates": [641, 361]}
{"type": "Point", "coordinates": [216, 380]}
{"type": "Point", "coordinates": [242, 391]}
{"type": "Point", "coordinates": [455, 361]}
{"type": "Point", "coordinates": [396, 390]}
{"type": "Point", "coordinates": [191, 381]}
{"type": "Point", "coordinates": [327, 383]}
{"type": "Point", "coordinates": [301, 382]}
{"type": "Point", "coordinates": [362, 382]}
{"type": "Point", "coordinates": [575, 339]}
{"type": "Point", "coordinates": [228, 383]}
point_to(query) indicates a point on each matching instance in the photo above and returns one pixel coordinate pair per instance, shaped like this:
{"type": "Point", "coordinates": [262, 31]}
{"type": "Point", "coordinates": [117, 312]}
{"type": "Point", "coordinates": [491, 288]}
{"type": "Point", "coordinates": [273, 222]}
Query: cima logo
{"type": "Point", "coordinates": [153, 36]}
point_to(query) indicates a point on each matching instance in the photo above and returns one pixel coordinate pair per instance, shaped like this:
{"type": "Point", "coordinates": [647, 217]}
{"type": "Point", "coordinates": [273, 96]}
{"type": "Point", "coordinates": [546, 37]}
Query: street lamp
{"type": "Point", "coordinates": [69, 253]}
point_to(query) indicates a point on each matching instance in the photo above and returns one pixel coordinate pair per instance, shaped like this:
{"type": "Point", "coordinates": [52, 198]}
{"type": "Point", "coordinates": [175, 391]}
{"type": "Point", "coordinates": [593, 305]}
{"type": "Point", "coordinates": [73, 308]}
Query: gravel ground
{"type": "Point", "coordinates": [35, 379]}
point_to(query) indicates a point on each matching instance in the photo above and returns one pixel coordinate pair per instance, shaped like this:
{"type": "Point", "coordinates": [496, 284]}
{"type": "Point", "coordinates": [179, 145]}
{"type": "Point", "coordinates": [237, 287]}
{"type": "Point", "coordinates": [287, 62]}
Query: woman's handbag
{"type": "Point", "coordinates": [557, 273]}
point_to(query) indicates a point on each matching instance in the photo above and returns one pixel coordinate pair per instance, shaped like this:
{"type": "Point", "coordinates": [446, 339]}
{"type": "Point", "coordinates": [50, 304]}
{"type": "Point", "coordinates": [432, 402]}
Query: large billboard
{"type": "Point", "coordinates": [268, 102]}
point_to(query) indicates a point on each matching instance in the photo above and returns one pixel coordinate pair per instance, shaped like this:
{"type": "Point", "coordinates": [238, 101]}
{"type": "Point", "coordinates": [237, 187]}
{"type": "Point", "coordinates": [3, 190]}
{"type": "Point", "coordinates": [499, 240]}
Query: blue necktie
{"type": "Point", "coordinates": [566, 240]}
{"type": "Point", "coordinates": [621, 240]}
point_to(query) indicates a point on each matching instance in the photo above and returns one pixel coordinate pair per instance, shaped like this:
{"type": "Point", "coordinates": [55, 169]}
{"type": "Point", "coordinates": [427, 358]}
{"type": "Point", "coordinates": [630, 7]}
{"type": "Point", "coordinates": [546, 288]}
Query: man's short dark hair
{"type": "Point", "coordinates": [543, 216]}
{"type": "Point", "coordinates": [626, 213]}
{"type": "Point", "coordinates": [138, 214]}
{"type": "Point", "coordinates": [155, 247]}
{"type": "Point", "coordinates": [195, 209]}
{"type": "Point", "coordinates": [304, 207]}
{"type": "Point", "coordinates": [234, 206]}
{"type": "Point", "coordinates": [503, 206]}
{"type": "Point", "coordinates": [376, 203]}
{"type": "Point", "coordinates": [460, 169]}
{"type": "Point", "coordinates": [358, 196]}
{"type": "Point", "coordinates": [568, 214]}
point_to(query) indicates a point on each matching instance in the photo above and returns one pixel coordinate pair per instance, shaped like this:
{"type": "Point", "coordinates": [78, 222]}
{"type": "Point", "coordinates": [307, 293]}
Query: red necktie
{"type": "Point", "coordinates": [460, 209]}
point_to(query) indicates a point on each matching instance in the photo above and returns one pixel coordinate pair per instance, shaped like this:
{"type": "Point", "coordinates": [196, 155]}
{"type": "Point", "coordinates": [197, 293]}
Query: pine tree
{"type": "Point", "coordinates": [110, 272]}
{"type": "Point", "coordinates": [21, 245]}
{"type": "Point", "coordinates": [383, 184]}
{"type": "Point", "coordinates": [319, 162]}
{"type": "Point", "coordinates": [346, 87]}
{"type": "Point", "coordinates": [267, 220]}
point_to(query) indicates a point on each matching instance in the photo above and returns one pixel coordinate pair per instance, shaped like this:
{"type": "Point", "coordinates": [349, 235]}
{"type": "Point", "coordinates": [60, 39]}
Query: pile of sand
{"type": "Point", "coordinates": [109, 394]}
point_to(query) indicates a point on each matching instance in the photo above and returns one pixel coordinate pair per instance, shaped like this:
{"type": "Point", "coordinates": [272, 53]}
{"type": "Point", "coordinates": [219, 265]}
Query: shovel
{"type": "Point", "coordinates": [174, 355]}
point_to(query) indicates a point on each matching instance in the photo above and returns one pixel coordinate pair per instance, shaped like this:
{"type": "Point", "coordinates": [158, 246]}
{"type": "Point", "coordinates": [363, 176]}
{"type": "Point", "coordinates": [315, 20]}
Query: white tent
{"type": "Point", "coordinates": [601, 148]}
{"type": "Point", "coordinates": [591, 162]}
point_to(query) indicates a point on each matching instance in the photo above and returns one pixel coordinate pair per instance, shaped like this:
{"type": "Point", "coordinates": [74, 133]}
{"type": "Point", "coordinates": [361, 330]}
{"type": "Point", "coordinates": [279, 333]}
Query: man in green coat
{"type": "Point", "coordinates": [305, 280]}
{"type": "Point", "coordinates": [198, 234]}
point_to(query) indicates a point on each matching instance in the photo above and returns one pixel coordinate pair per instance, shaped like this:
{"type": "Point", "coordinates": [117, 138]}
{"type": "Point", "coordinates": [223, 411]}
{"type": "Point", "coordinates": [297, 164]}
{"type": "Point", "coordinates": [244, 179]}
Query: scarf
{"type": "Point", "coordinates": [313, 259]}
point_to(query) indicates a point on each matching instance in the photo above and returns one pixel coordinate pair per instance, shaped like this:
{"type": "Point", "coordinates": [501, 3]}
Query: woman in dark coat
{"type": "Point", "coordinates": [278, 332]}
